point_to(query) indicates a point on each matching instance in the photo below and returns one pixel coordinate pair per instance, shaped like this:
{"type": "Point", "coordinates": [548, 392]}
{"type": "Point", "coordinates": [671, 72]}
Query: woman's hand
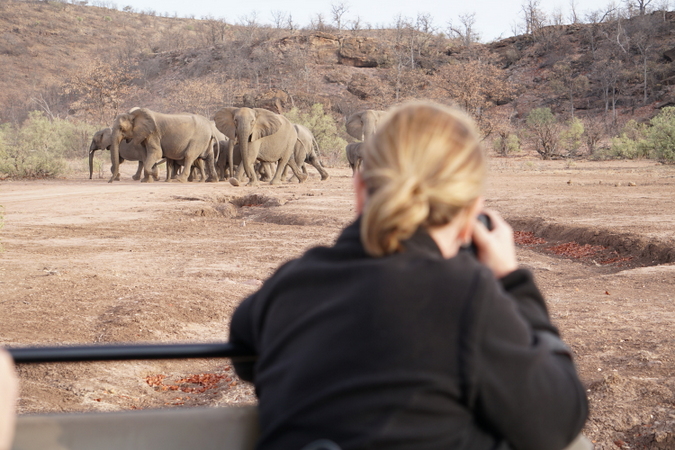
{"type": "Point", "coordinates": [496, 248]}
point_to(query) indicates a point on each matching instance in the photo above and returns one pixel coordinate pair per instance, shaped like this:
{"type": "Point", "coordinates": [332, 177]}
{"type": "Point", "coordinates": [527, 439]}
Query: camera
{"type": "Point", "coordinates": [485, 220]}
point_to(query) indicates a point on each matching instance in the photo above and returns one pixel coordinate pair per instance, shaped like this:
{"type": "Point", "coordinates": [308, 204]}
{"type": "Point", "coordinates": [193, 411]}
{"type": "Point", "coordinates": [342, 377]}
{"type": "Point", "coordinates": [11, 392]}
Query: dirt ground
{"type": "Point", "coordinates": [85, 262]}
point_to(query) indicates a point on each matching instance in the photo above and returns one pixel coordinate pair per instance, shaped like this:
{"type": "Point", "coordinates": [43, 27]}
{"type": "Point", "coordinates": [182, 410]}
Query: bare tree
{"type": "Point", "coordinates": [42, 103]}
{"type": "Point", "coordinates": [318, 22]}
{"type": "Point", "coordinates": [337, 11]}
{"type": "Point", "coordinates": [567, 83]}
{"type": "Point", "coordinates": [465, 31]}
{"type": "Point", "coordinates": [594, 30]}
{"type": "Point", "coordinates": [535, 19]}
{"type": "Point", "coordinates": [101, 88]}
{"type": "Point", "coordinates": [475, 86]}
{"type": "Point", "coordinates": [250, 20]}
{"type": "Point", "coordinates": [640, 5]}
{"type": "Point", "coordinates": [278, 18]}
{"type": "Point", "coordinates": [594, 130]}
{"type": "Point", "coordinates": [609, 72]}
{"type": "Point", "coordinates": [574, 18]}
{"type": "Point", "coordinates": [355, 25]}
{"type": "Point", "coordinates": [213, 30]}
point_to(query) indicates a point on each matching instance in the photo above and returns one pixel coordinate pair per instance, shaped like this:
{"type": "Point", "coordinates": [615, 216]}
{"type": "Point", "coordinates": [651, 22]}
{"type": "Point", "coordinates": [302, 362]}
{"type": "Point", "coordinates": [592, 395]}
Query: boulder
{"type": "Point", "coordinates": [360, 52]}
{"type": "Point", "coordinates": [363, 86]}
{"type": "Point", "coordinates": [669, 54]}
{"type": "Point", "coordinates": [274, 100]}
{"type": "Point", "coordinates": [323, 47]}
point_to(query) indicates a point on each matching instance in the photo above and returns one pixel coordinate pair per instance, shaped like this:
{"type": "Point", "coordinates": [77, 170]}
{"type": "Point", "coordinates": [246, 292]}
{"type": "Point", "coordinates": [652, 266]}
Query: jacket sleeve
{"type": "Point", "coordinates": [242, 336]}
{"type": "Point", "coordinates": [525, 384]}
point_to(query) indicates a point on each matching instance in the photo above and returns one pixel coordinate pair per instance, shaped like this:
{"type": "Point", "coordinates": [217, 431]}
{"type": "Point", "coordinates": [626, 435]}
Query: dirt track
{"type": "Point", "coordinates": [85, 261]}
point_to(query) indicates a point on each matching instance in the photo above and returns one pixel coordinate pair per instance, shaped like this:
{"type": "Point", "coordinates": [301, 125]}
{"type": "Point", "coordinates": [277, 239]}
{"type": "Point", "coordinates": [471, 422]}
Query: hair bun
{"type": "Point", "coordinates": [421, 168]}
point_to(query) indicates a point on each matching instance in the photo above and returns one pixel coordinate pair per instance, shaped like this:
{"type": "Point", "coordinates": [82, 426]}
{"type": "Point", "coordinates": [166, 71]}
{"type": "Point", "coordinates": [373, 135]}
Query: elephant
{"type": "Point", "coordinates": [102, 140]}
{"type": "Point", "coordinates": [174, 168]}
{"type": "Point", "coordinates": [222, 161]}
{"type": "Point", "coordinates": [265, 171]}
{"type": "Point", "coordinates": [180, 137]}
{"type": "Point", "coordinates": [363, 124]}
{"type": "Point", "coordinates": [262, 135]}
{"type": "Point", "coordinates": [304, 151]}
{"type": "Point", "coordinates": [354, 156]}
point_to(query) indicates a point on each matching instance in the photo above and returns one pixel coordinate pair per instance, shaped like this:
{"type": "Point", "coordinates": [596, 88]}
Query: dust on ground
{"type": "Point", "coordinates": [85, 262]}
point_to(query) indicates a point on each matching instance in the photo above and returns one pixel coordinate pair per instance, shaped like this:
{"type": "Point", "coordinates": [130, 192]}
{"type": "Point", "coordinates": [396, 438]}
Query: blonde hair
{"type": "Point", "coordinates": [422, 168]}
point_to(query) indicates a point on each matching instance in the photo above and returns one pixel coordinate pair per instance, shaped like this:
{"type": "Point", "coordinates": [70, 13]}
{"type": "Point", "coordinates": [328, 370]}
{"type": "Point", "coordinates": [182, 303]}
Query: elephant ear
{"type": "Point", "coordinates": [105, 138]}
{"type": "Point", "coordinates": [143, 124]}
{"type": "Point", "coordinates": [266, 123]}
{"type": "Point", "coordinates": [224, 119]}
{"type": "Point", "coordinates": [354, 125]}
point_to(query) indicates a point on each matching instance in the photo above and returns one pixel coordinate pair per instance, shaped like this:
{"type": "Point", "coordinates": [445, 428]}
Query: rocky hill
{"type": "Point", "coordinates": [91, 62]}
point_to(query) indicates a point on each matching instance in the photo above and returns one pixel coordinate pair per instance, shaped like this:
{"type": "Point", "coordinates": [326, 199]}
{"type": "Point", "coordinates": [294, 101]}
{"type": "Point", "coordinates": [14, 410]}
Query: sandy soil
{"type": "Point", "coordinates": [85, 261]}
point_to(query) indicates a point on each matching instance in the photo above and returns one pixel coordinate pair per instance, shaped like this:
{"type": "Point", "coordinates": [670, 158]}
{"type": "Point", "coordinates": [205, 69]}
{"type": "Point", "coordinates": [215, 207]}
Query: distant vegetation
{"type": "Point", "coordinates": [40, 146]}
{"type": "Point", "coordinates": [594, 85]}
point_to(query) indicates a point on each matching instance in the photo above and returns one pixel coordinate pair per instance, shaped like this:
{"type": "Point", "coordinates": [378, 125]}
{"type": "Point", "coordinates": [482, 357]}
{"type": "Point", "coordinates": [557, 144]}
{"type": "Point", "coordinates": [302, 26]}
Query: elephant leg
{"type": "Point", "coordinates": [221, 169]}
{"type": "Point", "coordinates": [248, 163]}
{"type": "Point", "coordinates": [155, 169]}
{"type": "Point", "coordinates": [137, 175]}
{"type": "Point", "coordinates": [210, 164]}
{"type": "Point", "coordinates": [153, 153]}
{"type": "Point", "coordinates": [314, 160]}
{"type": "Point", "coordinates": [287, 160]}
{"type": "Point", "coordinates": [267, 170]}
{"type": "Point", "coordinates": [234, 181]}
{"type": "Point", "coordinates": [169, 169]}
{"type": "Point", "coordinates": [116, 175]}
{"type": "Point", "coordinates": [189, 159]}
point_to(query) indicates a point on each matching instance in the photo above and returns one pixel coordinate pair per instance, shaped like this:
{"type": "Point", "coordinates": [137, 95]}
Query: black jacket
{"type": "Point", "coordinates": [408, 351]}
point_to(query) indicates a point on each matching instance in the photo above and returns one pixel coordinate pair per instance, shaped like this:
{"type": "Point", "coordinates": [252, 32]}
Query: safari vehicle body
{"type": "Point", "coordinates": [224, 428]}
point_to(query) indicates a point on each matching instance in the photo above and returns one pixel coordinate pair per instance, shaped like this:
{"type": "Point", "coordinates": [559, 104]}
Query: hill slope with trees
{"type": "Point", "coordinates": [585, 83]}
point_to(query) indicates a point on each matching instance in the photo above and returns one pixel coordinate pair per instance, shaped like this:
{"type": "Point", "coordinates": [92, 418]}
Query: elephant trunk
{"type": "Point", "coordinates": [115, 154]}
{"type": "Point", "coordinates": [92, 150]}
{"type": "Point", "coordinates": [244, 136]}
{"type": "Point", "coordinates": [230, 154]}
{"type": "Point", "coordinates": [368, 130]}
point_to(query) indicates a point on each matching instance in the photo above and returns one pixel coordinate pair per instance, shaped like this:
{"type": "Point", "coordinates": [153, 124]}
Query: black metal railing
{"type": "Point", "coordinates": [118, 352]}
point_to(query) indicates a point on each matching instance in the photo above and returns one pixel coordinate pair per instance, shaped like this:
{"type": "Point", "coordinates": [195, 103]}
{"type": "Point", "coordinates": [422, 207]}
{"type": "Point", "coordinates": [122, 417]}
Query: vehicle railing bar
{"type": "Point", "coordinates": [119, 352]}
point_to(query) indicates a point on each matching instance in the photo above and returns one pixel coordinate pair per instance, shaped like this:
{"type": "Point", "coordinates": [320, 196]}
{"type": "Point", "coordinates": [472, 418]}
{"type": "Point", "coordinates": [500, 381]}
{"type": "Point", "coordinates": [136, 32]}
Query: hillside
{"type": "Point", "coordinates": [61, 58]}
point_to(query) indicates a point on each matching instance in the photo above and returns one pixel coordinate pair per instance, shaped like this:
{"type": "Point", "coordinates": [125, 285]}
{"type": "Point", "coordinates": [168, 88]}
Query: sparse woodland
{"type": "Point", "coordinates": [595, 85]}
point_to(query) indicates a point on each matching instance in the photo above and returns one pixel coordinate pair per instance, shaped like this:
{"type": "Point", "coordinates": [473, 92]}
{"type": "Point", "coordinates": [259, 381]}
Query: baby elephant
{"type": "Point", "coordinates": [354, 156]}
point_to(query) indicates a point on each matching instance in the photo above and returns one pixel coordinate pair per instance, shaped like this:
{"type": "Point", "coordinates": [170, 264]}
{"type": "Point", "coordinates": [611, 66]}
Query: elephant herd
{"type": "Point", "coordinates": [237, 141]}
{"type": "Point", "coordinates": [237, 137]}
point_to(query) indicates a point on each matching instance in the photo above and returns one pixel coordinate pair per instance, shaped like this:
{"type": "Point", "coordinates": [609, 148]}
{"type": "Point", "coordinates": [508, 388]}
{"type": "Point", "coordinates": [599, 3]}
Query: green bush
{"type": "Point", "coordinates": [40, 146]}
{"type": "Point", "coordinates": [623, 147]}
{"type": "Point", "coordinates": [505, 145]}
{"type": "Point", "coordinates": [661, 135]}
{"type": "Point", "coordinates": [631, 143]}
{"type": "Point", "coordinates": [324, 128]}
{"type": "Point", "coordinates": [543, 131]}
{"type": "Point", "coordinates": [571, 138]}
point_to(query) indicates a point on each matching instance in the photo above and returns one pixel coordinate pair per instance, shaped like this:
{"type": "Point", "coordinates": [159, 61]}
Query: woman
{"type": "Point", "coordinates": [9, 389]}
{"type": "Point", "coordinates": [395, 337]}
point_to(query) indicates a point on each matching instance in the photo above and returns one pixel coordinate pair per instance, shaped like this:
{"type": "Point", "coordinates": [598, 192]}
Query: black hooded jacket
{"type": "Point", "coordinates": [407, 351]}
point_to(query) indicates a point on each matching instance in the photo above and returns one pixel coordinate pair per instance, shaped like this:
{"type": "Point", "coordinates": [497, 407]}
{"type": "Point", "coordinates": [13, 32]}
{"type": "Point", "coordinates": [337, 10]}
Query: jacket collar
{"type": "Point", "coordinates": [419, 242]}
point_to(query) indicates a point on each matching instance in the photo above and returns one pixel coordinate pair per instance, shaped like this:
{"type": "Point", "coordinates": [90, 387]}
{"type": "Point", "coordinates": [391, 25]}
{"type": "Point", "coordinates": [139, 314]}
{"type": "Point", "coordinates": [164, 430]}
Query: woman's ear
{"type": "Point", "coordinates": [474, 210]}
{"type": "Point", "coordinates": [360, 192]}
